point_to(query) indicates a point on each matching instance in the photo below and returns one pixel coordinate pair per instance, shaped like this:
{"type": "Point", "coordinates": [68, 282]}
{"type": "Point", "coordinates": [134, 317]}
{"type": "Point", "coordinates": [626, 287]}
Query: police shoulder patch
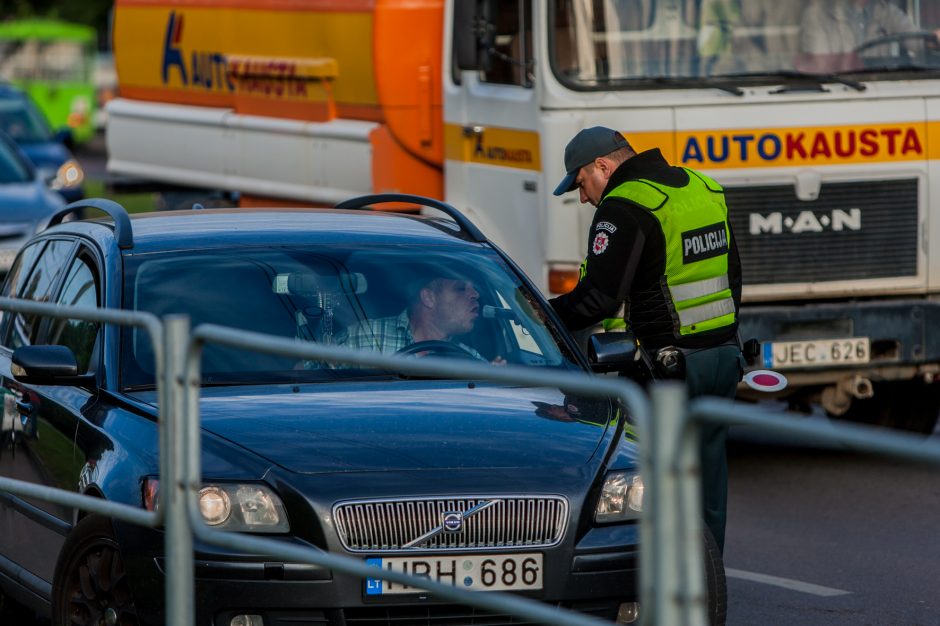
{"type": "Point", "coordinates": [606, 226]}
{"type": "Point", "coordinates": [601, 241]}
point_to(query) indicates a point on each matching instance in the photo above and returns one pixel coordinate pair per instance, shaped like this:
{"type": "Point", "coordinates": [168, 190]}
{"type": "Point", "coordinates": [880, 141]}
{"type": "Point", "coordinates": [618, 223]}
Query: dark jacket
{"type": "Point", "coordinates": [631, 266]}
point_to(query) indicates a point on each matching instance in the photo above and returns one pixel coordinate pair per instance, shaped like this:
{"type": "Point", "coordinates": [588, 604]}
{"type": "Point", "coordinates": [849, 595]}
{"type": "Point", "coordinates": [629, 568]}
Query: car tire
{"type": "Point", "coordinates": [716, 584]}
{"type": "Point", "coordinates": [90, 586]}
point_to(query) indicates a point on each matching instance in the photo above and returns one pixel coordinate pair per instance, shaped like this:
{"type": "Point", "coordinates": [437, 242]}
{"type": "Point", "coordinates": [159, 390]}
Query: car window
{"type": "Point", "coordinates": [80, 288]}
{"type": "Point", "coordinates": [378, 299]}
{"type": "Point", "coordinates": [38, 286]}
{"type": "Point", "coordinates": [22, 121]}
{"type": "Point", "coordinates": [13, 169]}
{"type": "Point", "coordinates": [15, 278]}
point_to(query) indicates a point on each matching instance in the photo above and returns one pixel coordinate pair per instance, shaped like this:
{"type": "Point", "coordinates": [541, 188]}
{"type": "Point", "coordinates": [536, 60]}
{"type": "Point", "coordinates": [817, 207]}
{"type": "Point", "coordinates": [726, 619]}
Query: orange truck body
{"type": "Point", "coordinates": [312, 60]}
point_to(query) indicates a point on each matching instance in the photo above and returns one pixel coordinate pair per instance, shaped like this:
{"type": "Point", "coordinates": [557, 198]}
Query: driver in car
{"type": "Point", "coordinates": [831, 31]}
{"type": "Point", "coordinates": [438, 310]}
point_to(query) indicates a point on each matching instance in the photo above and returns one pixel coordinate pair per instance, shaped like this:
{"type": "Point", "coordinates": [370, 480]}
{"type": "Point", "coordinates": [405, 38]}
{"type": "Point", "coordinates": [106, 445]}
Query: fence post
{"type": "Point", "coordinates": [671, 571]}
{"type": "Point", "coordinates": [173, 493]}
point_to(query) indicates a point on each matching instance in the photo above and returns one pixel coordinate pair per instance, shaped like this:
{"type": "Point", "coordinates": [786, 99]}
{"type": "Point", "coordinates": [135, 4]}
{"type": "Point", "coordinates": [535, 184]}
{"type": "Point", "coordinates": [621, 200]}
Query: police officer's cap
{"type": "Point", "coordinates": [586, 146]}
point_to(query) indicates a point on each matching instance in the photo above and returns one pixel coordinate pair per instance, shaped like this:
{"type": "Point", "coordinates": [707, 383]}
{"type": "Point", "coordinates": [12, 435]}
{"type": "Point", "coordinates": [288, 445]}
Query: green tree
{"type": "Point", "coordinates": [95, 13]}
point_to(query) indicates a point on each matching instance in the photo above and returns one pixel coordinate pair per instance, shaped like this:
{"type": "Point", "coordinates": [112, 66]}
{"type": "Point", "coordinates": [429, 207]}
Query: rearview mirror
{"type": "Point", "coordinates": [311, 285]}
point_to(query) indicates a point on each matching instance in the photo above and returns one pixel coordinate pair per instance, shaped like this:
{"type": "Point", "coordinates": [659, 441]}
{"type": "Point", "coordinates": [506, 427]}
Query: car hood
{"type": "Point", "coordinates": [27, 202]}
{"type": "Point", "coordinates": [410, 425]}
{"type": "Point", "coordinates": [46, 154]}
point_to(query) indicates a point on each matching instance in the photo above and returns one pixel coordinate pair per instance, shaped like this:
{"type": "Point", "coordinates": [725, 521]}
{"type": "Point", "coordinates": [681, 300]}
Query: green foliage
{"type": "Point", "coordinates": [92, 12]}
{"type": "Point", "coordinates": [133, 202]}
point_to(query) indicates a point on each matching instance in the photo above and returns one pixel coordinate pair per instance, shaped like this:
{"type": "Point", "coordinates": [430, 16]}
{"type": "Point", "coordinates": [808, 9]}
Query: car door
{"type": "Point", "coordinates": [43, 450]}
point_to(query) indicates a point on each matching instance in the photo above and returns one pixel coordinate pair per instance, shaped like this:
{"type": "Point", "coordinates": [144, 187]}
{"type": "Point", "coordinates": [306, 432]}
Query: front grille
{"type": "Point", "coordinates": [389, 525]}
{"type": "Point", "coordinates": [446, 615]}
{"type": "Point", "coordinates": [457, 615]}
{"type": "Point", "coordinates": [851, 231]}
{"type": "Point", "coordinates": [420, 615]}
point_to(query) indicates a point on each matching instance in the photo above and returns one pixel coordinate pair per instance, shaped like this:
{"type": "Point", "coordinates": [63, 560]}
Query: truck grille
{"type": "Point", "coordinates": [510, 522]}
{"type": "Point", "coordinates": [851, 231]}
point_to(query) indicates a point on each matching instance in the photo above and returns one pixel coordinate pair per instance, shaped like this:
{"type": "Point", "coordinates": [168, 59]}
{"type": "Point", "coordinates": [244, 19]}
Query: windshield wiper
{"type": "Point", "coordinates": [700, 83]}
{"type": "Point", "coordinates": [795, 77]}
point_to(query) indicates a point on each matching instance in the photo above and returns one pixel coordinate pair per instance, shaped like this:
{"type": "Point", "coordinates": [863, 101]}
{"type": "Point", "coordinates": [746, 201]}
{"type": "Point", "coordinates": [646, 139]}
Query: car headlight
{"type": "Point", "coordinates": [69, 175]}
{"type": "Point", "coordinates": [621, 498]}
{"type": "Point", "coordinates": [248, 508]}
{"type": "Point", "coordinates": [252, 508]}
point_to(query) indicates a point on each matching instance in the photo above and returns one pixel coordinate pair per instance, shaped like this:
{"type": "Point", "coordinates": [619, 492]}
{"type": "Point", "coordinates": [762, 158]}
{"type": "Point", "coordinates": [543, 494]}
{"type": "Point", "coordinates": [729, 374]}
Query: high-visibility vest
{"type": "Point", "coordinates": [694, 222]}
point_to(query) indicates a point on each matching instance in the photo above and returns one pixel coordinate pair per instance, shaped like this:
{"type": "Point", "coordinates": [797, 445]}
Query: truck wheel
{"type": "Point", "coordinates": [910, 405]}
{"type": "Point", "coordinates": [89, 585]}
{"type": "Point", "coordinates": [716, 584]}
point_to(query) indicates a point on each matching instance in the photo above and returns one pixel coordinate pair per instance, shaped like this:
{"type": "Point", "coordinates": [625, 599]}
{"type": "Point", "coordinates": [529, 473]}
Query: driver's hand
{"type": "Point", "coordinates": [499, 360]}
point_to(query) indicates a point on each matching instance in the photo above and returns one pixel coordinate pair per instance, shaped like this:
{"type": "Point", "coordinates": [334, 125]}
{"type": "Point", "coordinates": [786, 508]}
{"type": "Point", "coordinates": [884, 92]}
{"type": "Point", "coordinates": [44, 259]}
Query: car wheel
{"type": "Point", "coordinates": [90, 586]}
{"type": "Point", "coordinates": [716, 584]}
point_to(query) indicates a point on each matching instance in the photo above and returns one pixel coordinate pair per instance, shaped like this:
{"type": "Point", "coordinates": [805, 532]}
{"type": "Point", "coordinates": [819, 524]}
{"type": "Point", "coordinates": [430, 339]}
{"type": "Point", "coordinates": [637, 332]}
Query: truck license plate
{"type": "Point", "coordinates": [819, 353]}
{"type": "Point", "coordinates": [478, 572]}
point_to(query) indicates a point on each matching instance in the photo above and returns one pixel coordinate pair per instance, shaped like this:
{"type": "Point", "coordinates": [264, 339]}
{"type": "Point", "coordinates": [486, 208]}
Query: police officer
{"type": "Point", "coordinates": [661, 247]}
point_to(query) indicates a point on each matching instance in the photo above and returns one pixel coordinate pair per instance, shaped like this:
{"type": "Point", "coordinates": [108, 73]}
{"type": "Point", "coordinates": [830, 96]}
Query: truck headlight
{"type": "Point", "coordinates": [69, 175]}
{"type": "Point", "coordinates": [621, 498]}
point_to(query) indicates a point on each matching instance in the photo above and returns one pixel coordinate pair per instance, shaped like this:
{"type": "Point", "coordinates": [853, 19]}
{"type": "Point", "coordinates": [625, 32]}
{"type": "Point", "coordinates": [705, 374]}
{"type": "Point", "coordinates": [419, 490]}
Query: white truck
{"type": "Point", "coordinates": [830, 176]}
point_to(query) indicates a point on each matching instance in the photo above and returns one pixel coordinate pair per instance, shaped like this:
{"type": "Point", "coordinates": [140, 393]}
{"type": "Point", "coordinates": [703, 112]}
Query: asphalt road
{"type": "Point", "coordinates": [820, 536]}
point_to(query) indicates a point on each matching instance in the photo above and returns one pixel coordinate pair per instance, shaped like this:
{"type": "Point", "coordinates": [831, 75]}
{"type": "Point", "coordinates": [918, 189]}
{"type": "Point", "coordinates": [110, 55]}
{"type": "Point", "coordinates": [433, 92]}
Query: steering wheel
{"type": "Point", "coordinates": [920, 35]}
{"type": "Point", "coordinates": [437, 346]}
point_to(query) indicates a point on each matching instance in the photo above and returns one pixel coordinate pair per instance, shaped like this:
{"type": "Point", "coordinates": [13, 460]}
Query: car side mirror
{"type": "Point", "coordinates": [47, 365]}
{"type": "Point", "coordinates": [65, 137]}
{"type": "Point", "coordinates": [612, 351]}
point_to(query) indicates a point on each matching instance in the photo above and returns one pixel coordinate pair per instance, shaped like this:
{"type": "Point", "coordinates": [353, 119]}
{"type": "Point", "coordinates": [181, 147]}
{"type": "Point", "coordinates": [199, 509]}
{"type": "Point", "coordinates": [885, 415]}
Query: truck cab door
{"type": "Point", "coordinates": [491, 115]}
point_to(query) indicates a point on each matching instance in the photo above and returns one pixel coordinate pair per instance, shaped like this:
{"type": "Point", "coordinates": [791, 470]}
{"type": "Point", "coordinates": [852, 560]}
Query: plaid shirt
{"type": "Point", "coordinates": [386, 334]}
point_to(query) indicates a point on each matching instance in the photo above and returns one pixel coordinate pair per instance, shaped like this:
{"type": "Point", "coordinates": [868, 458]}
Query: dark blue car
{"type": "Point", "coordinates": [24, 123]}
{"type": "Point", "coordinates": [26, 202]}
{"type": "Point", "coordinates": [487, 486]}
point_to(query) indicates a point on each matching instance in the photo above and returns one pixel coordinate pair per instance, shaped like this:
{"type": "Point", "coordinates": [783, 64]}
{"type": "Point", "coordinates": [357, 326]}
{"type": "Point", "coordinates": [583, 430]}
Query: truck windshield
{"type": "Point", "coordinates": [618, 44]}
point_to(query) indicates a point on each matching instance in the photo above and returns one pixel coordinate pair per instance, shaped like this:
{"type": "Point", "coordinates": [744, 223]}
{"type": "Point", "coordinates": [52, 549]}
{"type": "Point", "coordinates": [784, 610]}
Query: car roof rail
{"type": "Point", "coordinates": [123, 232]}
{"type": "Point", "coordinates": [465, 224]}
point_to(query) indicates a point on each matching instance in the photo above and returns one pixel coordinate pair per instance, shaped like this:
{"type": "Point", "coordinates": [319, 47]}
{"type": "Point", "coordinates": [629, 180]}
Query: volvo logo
{"type": "Point", "coordinates": [805, 222]}
{"type": "Point", "coordinates": [452, 522]}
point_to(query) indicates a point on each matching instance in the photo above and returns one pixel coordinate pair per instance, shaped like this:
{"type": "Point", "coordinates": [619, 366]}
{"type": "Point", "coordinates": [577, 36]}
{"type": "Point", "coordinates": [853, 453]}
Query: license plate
{"type": "Point", "coordinates": [818, 353]}
{"type": "Point", "coordinates": [478, 572]}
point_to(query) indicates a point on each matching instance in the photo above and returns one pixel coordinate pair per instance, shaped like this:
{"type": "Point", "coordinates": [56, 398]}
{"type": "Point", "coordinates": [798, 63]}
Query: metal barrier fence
{"type": "Point", "coordinates": [671, 570]}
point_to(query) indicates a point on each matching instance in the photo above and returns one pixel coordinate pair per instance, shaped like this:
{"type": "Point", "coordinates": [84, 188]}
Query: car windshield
{"type": "Point", "coordinates": [622, 44]}
{"type": "Point", "coordinates": [13, 169]}
{"type": "Point", "coordinates": [22, 121]}
{"type": "Point", "coordinates": [440, 301]}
